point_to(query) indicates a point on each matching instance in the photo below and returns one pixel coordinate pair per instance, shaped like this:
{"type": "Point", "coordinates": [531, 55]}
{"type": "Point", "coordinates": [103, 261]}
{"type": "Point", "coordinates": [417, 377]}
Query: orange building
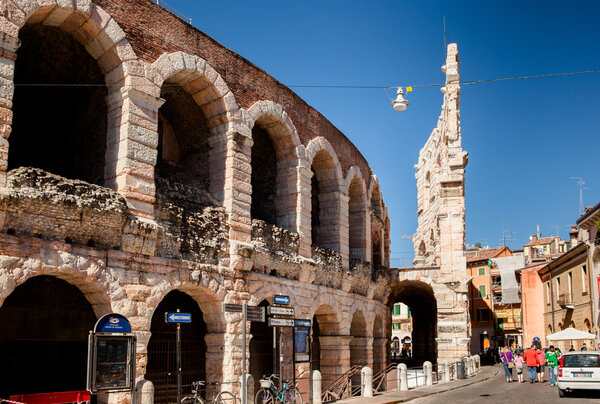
{"type": "Point", "coordinates": [532, 302]}
{"type": "Point", "coordinates": [482, 320]}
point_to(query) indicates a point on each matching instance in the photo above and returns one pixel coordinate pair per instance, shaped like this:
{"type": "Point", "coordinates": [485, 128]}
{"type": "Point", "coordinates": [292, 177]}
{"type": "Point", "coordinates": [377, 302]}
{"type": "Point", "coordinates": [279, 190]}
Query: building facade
{"type": "Point", "coordinates": [567, 297]}
{"type": "Point", "coordinates": [146, 168]}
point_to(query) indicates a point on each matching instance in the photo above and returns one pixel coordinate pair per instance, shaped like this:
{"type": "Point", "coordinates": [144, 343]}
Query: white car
{"type": "Point", "coordinates": [579, 370]}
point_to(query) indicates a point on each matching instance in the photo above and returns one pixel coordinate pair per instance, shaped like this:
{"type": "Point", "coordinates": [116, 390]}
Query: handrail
{"type": "Point", "coordinates": [341, 387]}
{"type": "Point", "coordinates": [380, 378]}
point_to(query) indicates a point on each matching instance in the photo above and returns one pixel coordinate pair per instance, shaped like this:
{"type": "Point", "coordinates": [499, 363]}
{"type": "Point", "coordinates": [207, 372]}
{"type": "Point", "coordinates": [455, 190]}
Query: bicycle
{"type": "Point", "coordinates": [224, 397]}
{"type": "Point", "coordinates": [269, 392]}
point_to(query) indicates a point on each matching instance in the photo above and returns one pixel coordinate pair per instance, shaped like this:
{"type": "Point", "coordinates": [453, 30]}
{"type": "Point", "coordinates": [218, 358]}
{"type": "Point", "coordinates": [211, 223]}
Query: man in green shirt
{"type": "Point", "coordinates": [552, 361]}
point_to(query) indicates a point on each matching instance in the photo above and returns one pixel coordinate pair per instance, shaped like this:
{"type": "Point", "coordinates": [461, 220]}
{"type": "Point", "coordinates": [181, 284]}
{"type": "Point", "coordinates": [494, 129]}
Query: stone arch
{"type": "Point", "coordinates": [106, 42]}
{"type": "Point", "coordinates": [89, 274]}
{"type": "Point", "coordinates": [587, 325]}
{"type": "Point", "coordinates": [359, 355]}
{"type": "Point", "coordinates": [375, 197]}
{"type": "Point", "coordinates": [328, 197]}
{"type": "Point", "coordinates": [380, 344]}
{"type": "Point", "coordinates": [273, 129]}
{"type": "Point", "coordinates": [358, 214]}
{"type": "Point", "coordinates": [191, 80]}
{"type": "Point", "coordinates": [418, 294]}
{"type": "Point", "coordinates": [45, 326]}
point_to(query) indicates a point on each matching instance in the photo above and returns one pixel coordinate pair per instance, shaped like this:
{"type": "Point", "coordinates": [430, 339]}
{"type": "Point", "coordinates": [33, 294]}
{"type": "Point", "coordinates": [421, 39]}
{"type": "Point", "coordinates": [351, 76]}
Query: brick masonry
{"type": "Point", "coordinates": [127, 244]}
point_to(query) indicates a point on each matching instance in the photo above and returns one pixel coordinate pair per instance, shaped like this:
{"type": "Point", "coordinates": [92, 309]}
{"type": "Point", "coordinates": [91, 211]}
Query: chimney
{"type": "Point", "coordinates": [573, 236]}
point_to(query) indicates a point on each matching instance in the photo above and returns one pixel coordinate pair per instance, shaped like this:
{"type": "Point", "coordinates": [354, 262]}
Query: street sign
{"type": "Point", "coordinates": [253, 313]}
{"type": "Point", "coordinates": [281, 322]}
{"type": "Point", "coordinates": [280, 299]}
{"type": "Point", "coordinates": [178, 317]}
{"type": "Point", "coordinates": [280, 311]}
{"type": "Point", "coordinates": [301, 323]}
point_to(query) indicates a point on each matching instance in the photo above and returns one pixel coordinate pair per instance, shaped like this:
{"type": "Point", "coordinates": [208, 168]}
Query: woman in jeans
{"type": "Point", "coordinates": [506, 357]}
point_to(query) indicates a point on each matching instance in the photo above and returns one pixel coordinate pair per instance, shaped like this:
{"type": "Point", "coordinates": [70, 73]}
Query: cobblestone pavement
{"type": "Point", "coordinates": [496, 390]}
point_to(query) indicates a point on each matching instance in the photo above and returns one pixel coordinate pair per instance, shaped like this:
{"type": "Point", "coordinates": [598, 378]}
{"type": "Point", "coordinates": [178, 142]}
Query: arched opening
{"type": "Point", "coordinates": [401, 332]}
{"type": "Point", "coordinates": [325, 346]}
{"type": "Point", "coordinates": [358, 344]}
{"type": "Point", "coordinates": [357, 219]}
{"type": "Point", "coordinates": [325, 197]}
{"type": "Point", "coordinates": [421, 302]}
{"type": "Point", "coordinates": [161, 369]}
{"type": "Point", "coordinates": [44, 324]}
{"type": "Point", "coordinates": [60, 114]}
{"type": "Point", "coordinates": [264, 177]}
{"type": "Point", "coordinates": [183, 149]}
{"type": "Point", "coordinates": [261, 350]}
{"type": "Point", "coordinates": [376, 257]}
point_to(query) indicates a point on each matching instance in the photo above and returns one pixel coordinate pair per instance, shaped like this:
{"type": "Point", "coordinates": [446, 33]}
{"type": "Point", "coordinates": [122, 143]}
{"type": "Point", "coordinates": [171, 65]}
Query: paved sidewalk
{"type": "Point", "coordinates": [485, 373]}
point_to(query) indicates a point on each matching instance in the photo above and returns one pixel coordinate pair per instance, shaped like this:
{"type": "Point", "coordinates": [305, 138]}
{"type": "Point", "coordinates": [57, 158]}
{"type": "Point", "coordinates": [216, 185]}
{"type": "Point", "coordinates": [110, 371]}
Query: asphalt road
{"type": "Point", "coordinates": [497, 390]}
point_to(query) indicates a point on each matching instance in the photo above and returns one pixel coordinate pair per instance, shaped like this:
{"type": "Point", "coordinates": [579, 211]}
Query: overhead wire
{"type": "Point", "coordinates": [341, 86]}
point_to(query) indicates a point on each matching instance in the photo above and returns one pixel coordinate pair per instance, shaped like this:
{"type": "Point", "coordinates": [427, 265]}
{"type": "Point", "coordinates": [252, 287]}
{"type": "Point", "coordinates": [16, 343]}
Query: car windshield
{"type": "Point", "coordinates": [581, 361]}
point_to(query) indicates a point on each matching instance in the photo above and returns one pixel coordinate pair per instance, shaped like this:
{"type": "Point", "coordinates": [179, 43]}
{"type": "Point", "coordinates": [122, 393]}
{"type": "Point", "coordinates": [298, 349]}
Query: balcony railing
{"type": "Point", "coordinates": [565, 301]}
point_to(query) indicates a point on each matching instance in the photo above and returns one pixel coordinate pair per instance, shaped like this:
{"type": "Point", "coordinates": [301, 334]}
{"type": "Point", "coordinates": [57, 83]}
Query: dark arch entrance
{"type": "Point", "coordinates": [44, 324]}
{"type": "Point", "coordinates": [261, 350]}
{"type": "Point", "coordinates": [60, 113]}
{"type": "Point", "coordinates": [419, 297]}
{"type": "Point", "coordinates": [161, 369]}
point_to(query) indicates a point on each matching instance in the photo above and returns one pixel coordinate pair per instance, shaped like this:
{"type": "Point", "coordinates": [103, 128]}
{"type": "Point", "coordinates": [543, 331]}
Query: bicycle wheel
{"type": "Point", "coordinates": [225, 397]}
{"type": "Point", "coordinates": [263, 396]}
{"type": "Point", "coordinates": [192, 400]}
{"type": "Point", "coordinates": [293, 396]}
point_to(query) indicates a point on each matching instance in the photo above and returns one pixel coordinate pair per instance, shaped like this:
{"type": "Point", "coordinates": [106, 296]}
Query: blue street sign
{"type": "Point", "coordinates": [112, 323]}
{"type": "Point", "coordinates": [279, 299]}
{"type": "Point", "coordinates": [301, 323]}
{"type": "Point", "coordinates": [178, 317]}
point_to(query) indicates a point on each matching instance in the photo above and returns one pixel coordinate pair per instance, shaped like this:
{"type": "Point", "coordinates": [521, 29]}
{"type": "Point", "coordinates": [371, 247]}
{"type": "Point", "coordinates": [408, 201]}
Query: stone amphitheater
{"type": "Point", "coordinates": [152, 169]}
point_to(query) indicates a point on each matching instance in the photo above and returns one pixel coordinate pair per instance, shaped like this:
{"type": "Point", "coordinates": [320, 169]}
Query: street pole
{"type": "Point", "coordinates": [178, 354]}
{"type": "Point", "coordinates": [244, 386]}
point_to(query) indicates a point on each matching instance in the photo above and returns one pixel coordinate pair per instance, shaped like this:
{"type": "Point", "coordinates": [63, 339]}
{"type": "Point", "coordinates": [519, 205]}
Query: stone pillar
{"type": "Point", "coordinates": [335, 356]}
{"type": "Point", "coordinates": [220, 357]}
{"type": "Point", "coordinates": [8, 55]}
{"type": "Point", "coordinates": [144, 392]}
{"type": "Point", "coordinates": [447, 372]}
{"type": "Point", "coordinates": [366, 382]}
{"type": "Point", "coordinates": [315, 387]}
{"type": "Point", "coordinates": [131, 147]}
{"type": "Point", "coordinates": [249, 389]}
{"type": "Point", "coordinates": [428, 372]}
{"type": "Point", "coordinates": [402, 376]}
{"type": "Point", "coordinates": [304, 206]}
{"type": "Point", "coordinates": [358, 351]}
{"type": "Point", "coordinates": [380, 348]}
{"type": "Point", "coordinates": [141, 352]}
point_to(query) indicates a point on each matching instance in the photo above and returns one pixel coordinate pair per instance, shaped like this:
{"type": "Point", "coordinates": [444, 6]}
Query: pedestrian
{"type": "Point", "coordinates": [552, 360]}
{"type": "Point", "coordinates": [532, 360]}
{"type": "Point", "coordinates": [542, 360]}
{"type": "Point", "coordinates": [506, 357]}
{"type": "Point", "coordinates": [584, 347]}
{"type": "Point", "coordinates": [571, 349]}
{"type": "Point", "coordinates": [518, 361]}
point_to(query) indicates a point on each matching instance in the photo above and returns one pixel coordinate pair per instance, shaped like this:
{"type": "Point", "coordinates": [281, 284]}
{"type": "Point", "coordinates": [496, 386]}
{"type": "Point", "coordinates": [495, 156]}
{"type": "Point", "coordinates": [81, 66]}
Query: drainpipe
{"type": "Point", "coordinates": [552, 299]}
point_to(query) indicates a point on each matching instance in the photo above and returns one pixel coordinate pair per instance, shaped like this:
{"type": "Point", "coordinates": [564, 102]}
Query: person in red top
{"type": "Point", "coordinates": [531, 358]}
{"type": "Point", "coordinates": [541, 362]}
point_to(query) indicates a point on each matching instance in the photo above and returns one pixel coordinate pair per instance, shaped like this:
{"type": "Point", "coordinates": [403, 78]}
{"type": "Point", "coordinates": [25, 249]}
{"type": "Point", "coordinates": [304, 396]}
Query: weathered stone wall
{"type": "Point", "coordinates": [440, 237]}
{"type": "Point", "coordinates": [182, 220]}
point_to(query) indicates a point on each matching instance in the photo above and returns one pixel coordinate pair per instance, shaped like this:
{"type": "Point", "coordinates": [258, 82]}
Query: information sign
{"type": "Point", "coordinates": [301, 323]}
{"type": "Point", "coordinates": [280, 311]}
{"type": "Point", "coordinates": [280, 322]}
{"type": "Point", "coordinates": [111, 355]}
{"type": "Point", "coordinates": [280, 299]}
{"type": "Point", "coordinates": [302, 344]}
{"type": "Point", "coordinates": [112, 323]}
{"type": "Point", "coordinates": [253, 313]}
{"type": "Point", "coordinates": [178, 318]}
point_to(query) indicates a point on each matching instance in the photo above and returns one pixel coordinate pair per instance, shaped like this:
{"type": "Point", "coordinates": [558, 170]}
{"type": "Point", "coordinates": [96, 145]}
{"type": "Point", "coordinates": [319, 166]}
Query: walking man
{"type": "Point", "coordinates": [552, 360]}
{"type": "Point", "coordinates": [532, 361]}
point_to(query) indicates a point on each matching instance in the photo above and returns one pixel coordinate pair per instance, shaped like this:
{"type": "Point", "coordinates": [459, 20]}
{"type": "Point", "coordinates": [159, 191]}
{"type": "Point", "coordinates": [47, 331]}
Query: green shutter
{"type": "Point", "coordinates": [482, 291]}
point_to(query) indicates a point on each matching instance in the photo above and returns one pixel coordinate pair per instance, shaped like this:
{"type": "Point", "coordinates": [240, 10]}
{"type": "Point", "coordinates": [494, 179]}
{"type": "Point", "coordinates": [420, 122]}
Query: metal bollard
{"type": "Point", "coordinates": [249, 388]}
{"type": "Point", "coordinates": [366, 382]}
{"type": "Point", "coordinates": [315, 387]}
{"type": "Point", "coordinates": [427, 370]}
{"type": "Point", "coordinates": [144, 392]}
{"type": "Point", "coordinates": [402, 376]}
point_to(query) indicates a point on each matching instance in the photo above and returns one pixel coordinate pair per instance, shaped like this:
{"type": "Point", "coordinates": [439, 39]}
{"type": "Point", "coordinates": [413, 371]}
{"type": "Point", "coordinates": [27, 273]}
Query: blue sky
{"type": "Point", "coordinates": [525, 138]}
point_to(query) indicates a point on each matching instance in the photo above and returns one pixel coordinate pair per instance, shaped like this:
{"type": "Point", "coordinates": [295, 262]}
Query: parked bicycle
{"type": "Point", "coordinates": [268, 392]}
{"type": "Point", "coordinates": [224, 397]}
